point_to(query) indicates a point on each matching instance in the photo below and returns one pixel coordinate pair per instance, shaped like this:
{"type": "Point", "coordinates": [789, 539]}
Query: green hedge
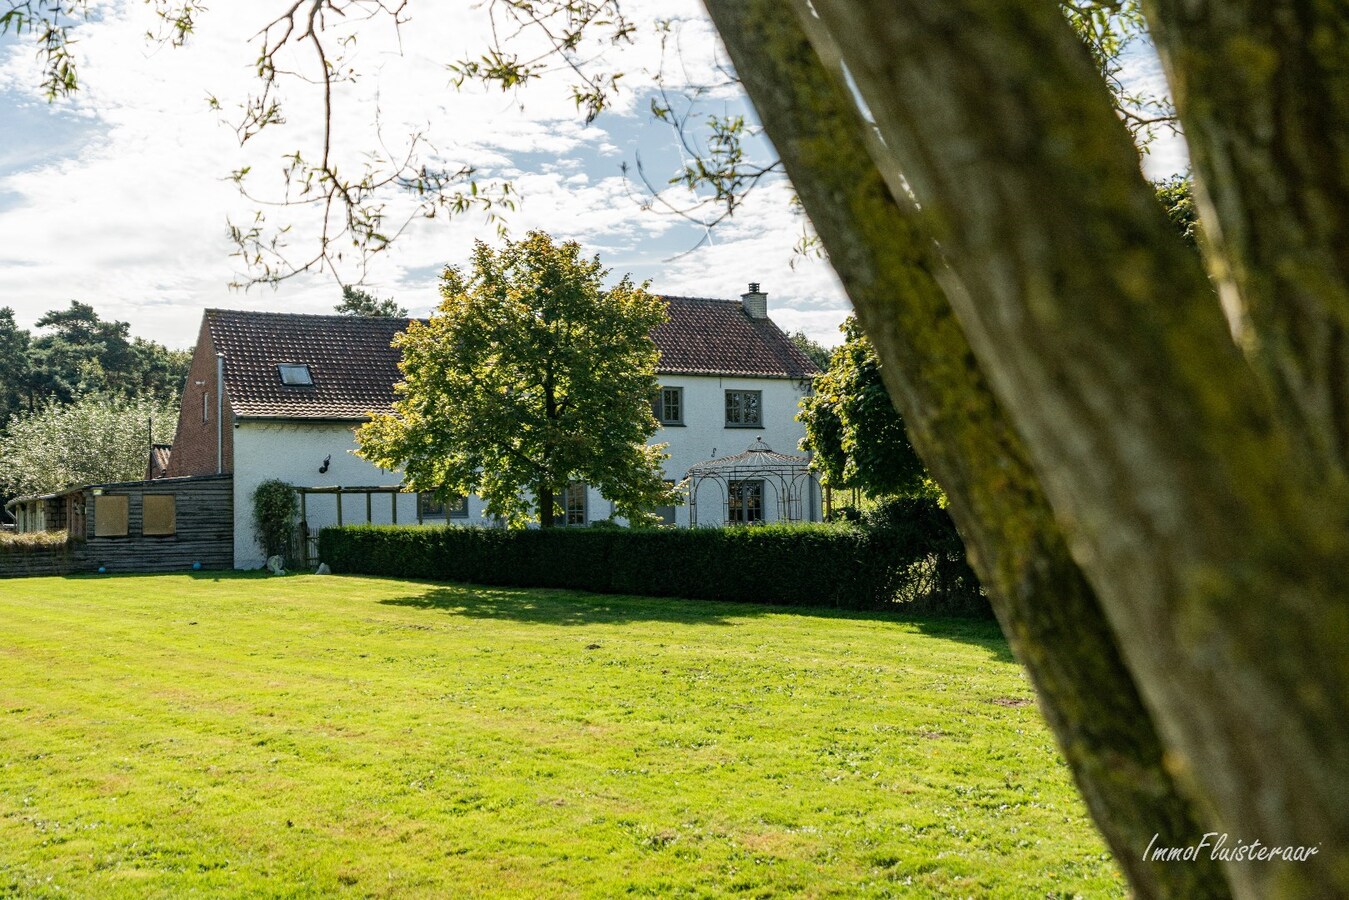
{"type": "Point", "coordinates": [914, 558]}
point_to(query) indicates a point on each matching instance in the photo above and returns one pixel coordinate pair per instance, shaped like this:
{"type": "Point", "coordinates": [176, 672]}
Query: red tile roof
{"type": "Point", "coordinates": [717, 337]}
{"type": "Point", "coordinates": [354, 367]}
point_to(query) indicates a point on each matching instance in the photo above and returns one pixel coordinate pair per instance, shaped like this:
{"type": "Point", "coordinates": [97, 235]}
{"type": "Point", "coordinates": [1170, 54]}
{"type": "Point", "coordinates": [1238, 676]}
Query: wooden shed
{"type": "Point", "coordinates": [164, 525]}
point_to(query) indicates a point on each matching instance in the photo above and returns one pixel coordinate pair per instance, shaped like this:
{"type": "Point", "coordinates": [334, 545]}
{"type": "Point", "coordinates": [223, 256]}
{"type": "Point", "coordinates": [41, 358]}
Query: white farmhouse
{"type": "Point", "coordinates": [278, 395]}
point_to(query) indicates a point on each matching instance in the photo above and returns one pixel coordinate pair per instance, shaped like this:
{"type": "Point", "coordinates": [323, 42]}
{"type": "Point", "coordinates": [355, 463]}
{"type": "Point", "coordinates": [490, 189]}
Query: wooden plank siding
{"type": "Point", "coordinates": [204, 532]}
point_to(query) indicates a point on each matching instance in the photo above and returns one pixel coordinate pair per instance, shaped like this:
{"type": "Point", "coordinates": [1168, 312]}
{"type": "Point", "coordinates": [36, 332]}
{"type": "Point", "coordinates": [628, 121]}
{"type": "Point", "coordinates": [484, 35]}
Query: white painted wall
{"type": "Point", "coordinates": [706, 436]}
{"type": "Point", "coordinates": [294, 451]}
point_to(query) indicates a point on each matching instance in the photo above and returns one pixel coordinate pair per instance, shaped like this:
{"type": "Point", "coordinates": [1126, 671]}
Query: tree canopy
{"type": "Point", "coordinates": [77, 352]}
{"type": "Point", "coordinates": [530, 375]}
{"type": "Point", "coordinates": [857, 436]}
{"type": "Point", "coordinates": [359, 302]}
{"type": "Point", "coordinates": [96, 438]}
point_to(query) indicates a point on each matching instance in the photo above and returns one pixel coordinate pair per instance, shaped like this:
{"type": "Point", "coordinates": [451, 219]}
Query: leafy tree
{"type": "Point", "coordinates": [15, 366]}
{"type": "Point", "coordinates": [530, 375]}
{"type": "Point", "coordinates": [817, 353]}
{"type": "Point", "coordinates": [1177, 197]}
{"type": "Point", "coordinates": [97, 438]}
{"type": "Point", "coordinates": [851, 424]}
{"type": "Point", "coordinates": [358, 302]}
{"type": "Point", "coordinates": [83, 353]}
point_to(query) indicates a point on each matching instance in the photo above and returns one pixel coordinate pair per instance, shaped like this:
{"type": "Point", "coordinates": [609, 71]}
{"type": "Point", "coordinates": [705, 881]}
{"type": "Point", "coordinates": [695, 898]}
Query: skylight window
{"type": "Point", "coordinates": [295, 374]}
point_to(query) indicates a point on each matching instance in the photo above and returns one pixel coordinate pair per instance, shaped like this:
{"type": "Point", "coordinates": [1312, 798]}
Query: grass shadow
{"type": "Point", "coordinates": [552, 606]}
{"type": "Point", "coordinates": [983, 633]}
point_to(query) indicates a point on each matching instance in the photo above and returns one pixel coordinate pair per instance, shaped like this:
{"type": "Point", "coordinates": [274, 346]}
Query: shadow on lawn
{"type": "Point", "coordinates": [560, 607]}
{"type": "Point", "coordinates": [979, 632]}
{"type": "Point", "coordinates": [563, 607]}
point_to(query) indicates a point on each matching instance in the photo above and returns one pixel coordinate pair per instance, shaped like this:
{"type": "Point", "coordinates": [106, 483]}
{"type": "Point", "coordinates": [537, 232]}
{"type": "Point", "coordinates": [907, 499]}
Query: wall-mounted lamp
{"type": "Point", "coordinates": [97, 492]}
{"type": "Point", "coordinates": [326, 460]}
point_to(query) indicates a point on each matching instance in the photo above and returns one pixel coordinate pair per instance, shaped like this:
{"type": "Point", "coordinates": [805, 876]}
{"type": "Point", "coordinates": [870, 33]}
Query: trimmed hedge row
{"type": "Point", "coordinates": [36, 553]}
{"type": "Point", "coordinates": [915, 559]}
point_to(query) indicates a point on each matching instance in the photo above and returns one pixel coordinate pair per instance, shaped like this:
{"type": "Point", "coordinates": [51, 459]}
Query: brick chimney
{"type": "Point", "coordinates": [755, 302]}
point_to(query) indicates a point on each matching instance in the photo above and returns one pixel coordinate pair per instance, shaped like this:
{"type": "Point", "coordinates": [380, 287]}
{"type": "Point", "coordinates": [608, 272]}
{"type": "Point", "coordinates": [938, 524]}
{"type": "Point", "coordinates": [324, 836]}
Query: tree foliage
{"type": "Point", "coordinates": [77, 352]}
{"type": "Point", "coordinates": [359, 302]}
{"type": "Point", "coordinates": [815, 351]}
{"type": "Point", "coordinates": [276, 512]}
{"type": "Point", "coordinates": [528, 376]}
{"type": "Point", "coordinates": [857, 436]}
{"type": "Point", "coordinates": [96, 438]}
{"type": "Point", "coordinates": [1177, 197]}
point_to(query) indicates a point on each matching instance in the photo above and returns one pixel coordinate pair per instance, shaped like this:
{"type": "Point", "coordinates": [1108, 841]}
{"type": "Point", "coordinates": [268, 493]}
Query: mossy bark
{"type": "Point", "coordinates": [1209, 530]}
{"type": "Point", "coordinates": [1047, 609]}
{"type": "Point", "coordinates": [1263, 91]}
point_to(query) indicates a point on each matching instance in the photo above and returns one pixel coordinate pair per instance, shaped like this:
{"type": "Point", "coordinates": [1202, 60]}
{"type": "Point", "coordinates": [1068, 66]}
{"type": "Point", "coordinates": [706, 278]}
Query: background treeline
{"type": "Point", "coordinates": [74, 353]}
{"type": "Point", "coordinates": [77, 398]}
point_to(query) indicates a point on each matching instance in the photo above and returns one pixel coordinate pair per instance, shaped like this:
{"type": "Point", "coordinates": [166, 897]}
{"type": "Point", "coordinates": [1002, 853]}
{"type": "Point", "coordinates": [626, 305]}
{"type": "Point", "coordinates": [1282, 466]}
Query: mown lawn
{"type": "Point", "coordinates": [307, 736]}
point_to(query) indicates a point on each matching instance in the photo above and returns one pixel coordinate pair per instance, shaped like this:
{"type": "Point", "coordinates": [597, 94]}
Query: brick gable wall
{"type": "Point", "coordinates": [194, 443]}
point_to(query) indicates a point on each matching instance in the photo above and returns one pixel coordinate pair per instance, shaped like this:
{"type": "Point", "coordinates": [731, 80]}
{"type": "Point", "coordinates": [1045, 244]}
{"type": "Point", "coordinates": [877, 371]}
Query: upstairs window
{"type": "Point", "coordinates": [295, 374]}
{"type": "Point", "coordinates": [670, 406]}
{"type": "Point", "coordinates": [744, 409]}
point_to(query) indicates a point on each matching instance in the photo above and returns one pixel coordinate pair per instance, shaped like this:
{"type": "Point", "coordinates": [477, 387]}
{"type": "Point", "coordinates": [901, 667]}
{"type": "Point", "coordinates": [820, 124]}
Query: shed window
{"type": "Point", "coordinates": [295, 374]}
{"type": "Point", "coordinates": [110, 516]}
{"type": "Point", "coordinates": [160, 515]}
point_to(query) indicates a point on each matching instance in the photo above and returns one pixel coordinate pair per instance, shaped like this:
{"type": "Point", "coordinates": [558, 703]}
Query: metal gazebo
{"type": "Point", "coordinates": [788, 476]}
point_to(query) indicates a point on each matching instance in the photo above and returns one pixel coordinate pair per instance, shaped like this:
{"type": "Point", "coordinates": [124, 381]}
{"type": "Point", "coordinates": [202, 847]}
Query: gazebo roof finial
{"type": "Point", "coordinates": [758, 447]}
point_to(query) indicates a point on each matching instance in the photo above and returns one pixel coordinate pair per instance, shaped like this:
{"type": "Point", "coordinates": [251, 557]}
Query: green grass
{"type": "Point", "coordinates": [306, 736]}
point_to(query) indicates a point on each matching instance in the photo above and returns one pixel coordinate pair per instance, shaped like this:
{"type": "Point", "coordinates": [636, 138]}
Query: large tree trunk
{"type": "Point", "coordinates": [1263, 89]}
{"type": "Point", "coordinates": [547, 514]}
{"type": "Point", "coordinates": [1048, 611]}
{"type": "Point", "coordinates": [1213, 540]}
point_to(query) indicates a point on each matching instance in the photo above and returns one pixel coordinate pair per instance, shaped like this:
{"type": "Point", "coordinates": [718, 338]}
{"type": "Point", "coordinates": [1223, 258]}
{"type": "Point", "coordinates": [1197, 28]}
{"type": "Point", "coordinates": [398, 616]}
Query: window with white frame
{"type": "Point", "coordinates": [744, 409]}
{"type": "Point", "coordinates": [745, 501]}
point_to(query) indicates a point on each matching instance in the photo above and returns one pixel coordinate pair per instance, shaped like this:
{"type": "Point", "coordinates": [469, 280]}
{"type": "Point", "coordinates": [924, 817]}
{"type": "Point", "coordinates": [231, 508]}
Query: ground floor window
{"type": "Point", "coordinates": [430, 507]}
{"type": "Point", "coordinates": [746, 501]}
{"type": "Point", "coordinates": [574, 501]}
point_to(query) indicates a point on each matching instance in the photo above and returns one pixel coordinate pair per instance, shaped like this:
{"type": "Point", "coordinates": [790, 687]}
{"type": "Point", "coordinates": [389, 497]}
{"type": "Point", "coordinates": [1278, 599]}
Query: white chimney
{"type": "Point", "coordinates": [755, 302]}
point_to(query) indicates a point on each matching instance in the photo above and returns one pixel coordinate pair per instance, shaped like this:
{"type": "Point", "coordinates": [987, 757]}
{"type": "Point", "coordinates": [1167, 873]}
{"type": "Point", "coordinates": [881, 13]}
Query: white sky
{"type": "Point", "coordinates": [119, 196]}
